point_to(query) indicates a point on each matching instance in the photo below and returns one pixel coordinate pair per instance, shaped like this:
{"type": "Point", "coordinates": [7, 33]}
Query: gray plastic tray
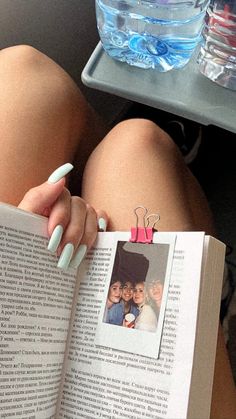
{"type": "Point", "coordinates": [184, 92]}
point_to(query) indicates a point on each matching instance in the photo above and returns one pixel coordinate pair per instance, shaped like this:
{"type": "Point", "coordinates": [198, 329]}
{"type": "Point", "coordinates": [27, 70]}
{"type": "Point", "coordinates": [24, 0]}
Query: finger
{"type": "Point", "coordinates": [102, 220]}
{"type": "Point", "coordinates": [59, 219]}
{"type": "Point", "coordinates": [73, 233]}
{"type": "Point", "coordinates": [91, 228]}
{"type": "Point", "coordinates": [42, 197]}
{"type": "Point", "coordinates": [60, 172]}
{"type": "Point", "coordinates": [88, 238]}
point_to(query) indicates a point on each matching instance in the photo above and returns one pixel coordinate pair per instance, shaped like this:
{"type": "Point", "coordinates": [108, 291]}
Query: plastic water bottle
{"type": "Point", "coordinates": [160, 34]}
{"type": "Point", "coordinates": [217, 58]}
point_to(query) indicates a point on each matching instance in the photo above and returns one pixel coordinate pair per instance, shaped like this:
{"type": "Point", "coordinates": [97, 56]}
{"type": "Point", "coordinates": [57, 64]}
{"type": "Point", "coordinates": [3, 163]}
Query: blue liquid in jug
{"type": "Point", "coordinates": [150, 36]}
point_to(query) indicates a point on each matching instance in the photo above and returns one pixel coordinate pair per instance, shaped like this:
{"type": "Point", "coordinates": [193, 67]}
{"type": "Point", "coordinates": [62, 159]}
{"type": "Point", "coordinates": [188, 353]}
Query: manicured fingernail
{"type": "Point", "coordinates": [60, 172]}
{"type": "Point", "coordinates": [66, 256]}
{"type": "Point", "coordinates": [55, 238]}
{"type": "Point", "coordinates": [102, 225]}
{"type": "Point", "coordinates": [79, 255]}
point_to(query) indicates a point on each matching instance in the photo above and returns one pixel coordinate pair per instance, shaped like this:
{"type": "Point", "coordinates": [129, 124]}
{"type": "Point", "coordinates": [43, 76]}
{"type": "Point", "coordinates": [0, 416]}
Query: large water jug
{"type": "Point", "coordinates": [217, 59]}
{"type": "Point", "coordinates": [160, 34]}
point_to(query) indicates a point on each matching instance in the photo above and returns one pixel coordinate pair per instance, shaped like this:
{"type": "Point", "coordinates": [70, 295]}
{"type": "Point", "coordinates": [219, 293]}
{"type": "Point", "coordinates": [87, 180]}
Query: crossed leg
{"type": "Point", "coordinates": [45, 122]}
{"type": "Point", "coordinates": [137, 163]}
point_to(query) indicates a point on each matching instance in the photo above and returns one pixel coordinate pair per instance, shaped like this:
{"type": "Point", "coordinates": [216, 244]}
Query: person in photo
{"type": "Point", "coordinates": [127, 266]}
{"type": "Point", "coordinates": [128, 304]}
{"type": "Point", "coordinates": [127, 298]}
{"type": "Point", "coordinates": [146, 319]}
{"type": "Point", "coordinates": [154, 294]}
{"type": "Point", "coordinates": [114, 311]}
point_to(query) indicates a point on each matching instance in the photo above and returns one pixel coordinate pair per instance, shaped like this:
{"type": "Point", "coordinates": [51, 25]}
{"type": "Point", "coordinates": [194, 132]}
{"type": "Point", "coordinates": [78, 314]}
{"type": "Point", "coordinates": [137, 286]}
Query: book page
{"type": "Point", "coordinates": [105, 382]}
{"type": "Point", "coordinates": [35, 307]}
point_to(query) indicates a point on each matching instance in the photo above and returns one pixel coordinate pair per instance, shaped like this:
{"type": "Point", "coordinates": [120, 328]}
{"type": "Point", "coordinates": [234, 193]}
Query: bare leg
{"type": "Point", "coordinates": [137, 163]}
{"type": "Point", "coordinates": [43, 117]}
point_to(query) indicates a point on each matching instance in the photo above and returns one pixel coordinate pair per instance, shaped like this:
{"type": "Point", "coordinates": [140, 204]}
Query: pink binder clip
{"type": "Point", "coordinates": [143, 234]}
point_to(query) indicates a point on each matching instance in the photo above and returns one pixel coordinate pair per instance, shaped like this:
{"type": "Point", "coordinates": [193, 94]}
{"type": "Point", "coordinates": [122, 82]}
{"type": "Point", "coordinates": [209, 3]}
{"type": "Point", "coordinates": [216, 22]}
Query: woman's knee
{"type": "Point", "coordinates": [139, 136]}
{"type": "Point", "coordinates": [25, 65]}
{"type": "Point", "coordinates": [43, 87]}
{"type": "Point", "coordinates": [23, 57]}
{"type": "Point", "coordinates": [131, 145]}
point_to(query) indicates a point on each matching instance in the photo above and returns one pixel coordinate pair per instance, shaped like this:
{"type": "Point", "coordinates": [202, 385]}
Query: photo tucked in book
{"type": "Point", "coordinates": [60, 358]}
{"type": "Point", "coordinates": [136, 297]}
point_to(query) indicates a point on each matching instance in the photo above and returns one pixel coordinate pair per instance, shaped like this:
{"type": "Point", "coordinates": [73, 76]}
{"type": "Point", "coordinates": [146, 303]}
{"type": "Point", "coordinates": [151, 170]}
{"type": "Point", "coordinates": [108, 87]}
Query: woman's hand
{"type": "Point", "coordinates": [72, 224]}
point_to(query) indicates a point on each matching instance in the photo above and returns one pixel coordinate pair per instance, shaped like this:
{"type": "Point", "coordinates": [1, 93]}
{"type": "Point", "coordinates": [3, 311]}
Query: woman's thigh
{"type": "Point", "coordinates": [43, 118]}
{"type": "Point", "coordinates": [138, 164]}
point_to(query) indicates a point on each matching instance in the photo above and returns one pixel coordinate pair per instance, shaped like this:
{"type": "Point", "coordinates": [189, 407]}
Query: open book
{"type": "Point", "coordinates": [61, 358]}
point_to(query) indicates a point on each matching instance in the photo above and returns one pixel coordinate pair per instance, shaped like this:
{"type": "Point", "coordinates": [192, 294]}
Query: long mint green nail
{"type": "Point", "coordinates": [102, 225]}
{"type": "Point", "coordinates": [55, 238]}
{"type": "Point", "coordinates": [79, 255]}
{"type": "Point", "coordinates": [60, 172]}
{"type": "Point", "coordinates": [66, 256]}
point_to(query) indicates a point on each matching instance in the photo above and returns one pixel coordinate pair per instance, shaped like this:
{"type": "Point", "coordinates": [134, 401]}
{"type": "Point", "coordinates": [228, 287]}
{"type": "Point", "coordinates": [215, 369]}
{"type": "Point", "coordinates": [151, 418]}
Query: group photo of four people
{"type": "Point", "coordinates": [133, 300]}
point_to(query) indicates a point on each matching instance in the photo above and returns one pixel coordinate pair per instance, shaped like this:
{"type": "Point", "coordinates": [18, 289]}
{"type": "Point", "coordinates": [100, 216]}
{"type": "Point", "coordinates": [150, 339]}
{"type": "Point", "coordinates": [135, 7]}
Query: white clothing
{"type": "Point", "coordinates": [147, 319]}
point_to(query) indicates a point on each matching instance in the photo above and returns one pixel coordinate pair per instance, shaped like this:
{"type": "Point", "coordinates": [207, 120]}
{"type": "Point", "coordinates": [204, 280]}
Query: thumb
{"type": "Point", "coordinates": [40, 199]}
